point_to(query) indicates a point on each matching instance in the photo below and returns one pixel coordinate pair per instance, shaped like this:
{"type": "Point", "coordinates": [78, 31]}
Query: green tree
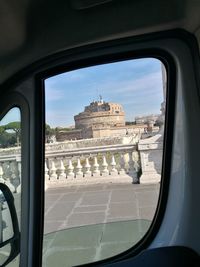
{"type": "Point", "coordinates": [6, 139]}
{"type": "Point", "coordinates": [16, 127]}
{"type": "Point", "coordinates": [49, 132]}
{"type": "Point", "coordinates": [2, 129]}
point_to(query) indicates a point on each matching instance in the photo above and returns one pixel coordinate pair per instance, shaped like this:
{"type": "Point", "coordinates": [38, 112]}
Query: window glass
{"type": "Point", "coordinates": [103, 158]}
{"type": "Point", "coordinates": [10, 174]}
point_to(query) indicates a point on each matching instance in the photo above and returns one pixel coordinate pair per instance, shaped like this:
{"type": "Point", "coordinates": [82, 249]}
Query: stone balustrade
{"type": "Point", "coordinates": [88, 165]}
{"type": "Point", "coordinates": [69, 163]}
{"type": "Point", "coordinates": [111, 163]}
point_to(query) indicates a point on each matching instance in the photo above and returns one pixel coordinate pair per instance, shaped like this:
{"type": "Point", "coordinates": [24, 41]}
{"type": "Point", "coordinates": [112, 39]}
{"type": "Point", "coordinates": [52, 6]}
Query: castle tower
{"type": "Point", "coordinates": [100, 113]}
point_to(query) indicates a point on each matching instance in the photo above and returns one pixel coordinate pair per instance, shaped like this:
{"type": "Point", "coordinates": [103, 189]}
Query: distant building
{"type": "Point", "coordinates": [146, 119]}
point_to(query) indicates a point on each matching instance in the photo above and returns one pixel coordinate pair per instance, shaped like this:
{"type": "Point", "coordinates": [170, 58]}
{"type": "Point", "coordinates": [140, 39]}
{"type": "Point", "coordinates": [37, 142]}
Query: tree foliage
{"type": "Point", "coordinates": [10, 134]}
{"type": "Point", "coordinates": [15, 126]}
{"type": "Point", "coordinates": [2, 129]}
{"type": "Point", "coordinates": [49, 132]}
{"type": "Point", "coordinates": [130, 123]}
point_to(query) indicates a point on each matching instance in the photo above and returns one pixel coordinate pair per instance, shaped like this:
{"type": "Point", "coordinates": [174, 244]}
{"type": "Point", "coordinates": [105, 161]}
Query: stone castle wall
{"type": "Point", "coordinates": [87, 119]}
{"type": "Point", "coordinates": [100, 112]}
{"type": "Point", "coordinates": [69, 135]}
{"type": "Point", "coordinates": [100, 131]}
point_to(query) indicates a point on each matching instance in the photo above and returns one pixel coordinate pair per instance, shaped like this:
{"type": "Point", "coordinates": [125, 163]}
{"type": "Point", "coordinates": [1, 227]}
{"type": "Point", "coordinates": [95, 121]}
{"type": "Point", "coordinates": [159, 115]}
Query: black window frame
{"type": "Point", "coordinates": [88, 61]}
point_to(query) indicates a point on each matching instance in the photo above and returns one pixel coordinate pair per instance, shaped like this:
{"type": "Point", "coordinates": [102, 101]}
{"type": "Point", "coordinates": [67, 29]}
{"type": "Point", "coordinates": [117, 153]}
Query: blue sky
{"type": "Point", "coordinates": [136, 84]}
{"type": "Point", "coordinates": [12, 115]}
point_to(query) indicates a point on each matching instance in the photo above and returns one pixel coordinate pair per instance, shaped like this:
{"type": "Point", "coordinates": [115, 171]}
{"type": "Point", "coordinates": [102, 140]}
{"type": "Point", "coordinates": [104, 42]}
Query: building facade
{"type": "Point", "coordinates": [98, 120]}
{"type": "Point", "coordinates": [100, 112]}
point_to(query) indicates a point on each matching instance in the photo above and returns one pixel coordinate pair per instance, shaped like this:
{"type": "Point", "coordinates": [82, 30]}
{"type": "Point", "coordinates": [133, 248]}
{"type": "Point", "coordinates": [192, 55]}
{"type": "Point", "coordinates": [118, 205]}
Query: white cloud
{"type": "Point", "coordinates": [12, 115]}
{"type": "Point", "coordinates": [145, 83]}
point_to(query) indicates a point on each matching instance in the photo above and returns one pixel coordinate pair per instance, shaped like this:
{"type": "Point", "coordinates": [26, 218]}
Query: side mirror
{"type": "Point", "coordinates": [9, 227]}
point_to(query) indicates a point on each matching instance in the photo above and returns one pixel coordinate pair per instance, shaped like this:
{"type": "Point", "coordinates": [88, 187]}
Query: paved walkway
{"type": "Point", "coordinates": [95, 222]}
{"type": "Point", "coordinates": [84, 205]}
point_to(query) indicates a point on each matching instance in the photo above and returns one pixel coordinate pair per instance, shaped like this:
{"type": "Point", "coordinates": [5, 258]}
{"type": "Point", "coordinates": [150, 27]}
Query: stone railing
{"type": "Point", "coordinates": [10, 171]}
{"type": "Point", "coordinates": [151, 150]}
{"type": "Point", "coordinates": [111, 163]}
{"type": "Point", "coordinates": [78, 162]}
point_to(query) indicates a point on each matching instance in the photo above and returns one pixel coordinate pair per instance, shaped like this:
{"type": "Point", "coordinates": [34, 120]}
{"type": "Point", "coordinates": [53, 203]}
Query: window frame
{"type": "Point", "coordinates": [152, 45]}
{"type": "Point", "coordinates": [88, 61]}
{"type": "Point", "coordinates": [10, 100]}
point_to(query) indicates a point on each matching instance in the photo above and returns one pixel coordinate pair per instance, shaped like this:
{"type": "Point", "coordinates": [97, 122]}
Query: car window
{"type": "Point", "coordinates": [103, 159]}
{"type": "Point", "coordinates": [10, 174]}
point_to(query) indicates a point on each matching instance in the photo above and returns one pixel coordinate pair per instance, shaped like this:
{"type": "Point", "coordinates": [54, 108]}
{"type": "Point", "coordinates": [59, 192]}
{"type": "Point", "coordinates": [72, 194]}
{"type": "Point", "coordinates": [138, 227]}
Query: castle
{"type": "Point", "coordinates": [98, 120]}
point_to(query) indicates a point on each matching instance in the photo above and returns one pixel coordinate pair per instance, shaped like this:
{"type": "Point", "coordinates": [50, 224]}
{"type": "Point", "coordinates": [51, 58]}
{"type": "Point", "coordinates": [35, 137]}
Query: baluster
{"type": "Point", "coordinates": [46, 175]}
{"type": "Point", "coordinates": [8, 180]}
{"type": "Point", "coordinates": [126, 160]}
{"type": "Point", "coordinates": [113, 165]}
{"type": "Point", "coordinates": [18, 160]}
{"type": "Point", "coordinates": [53, 174]}
{"type": "Point", "coordinates": [87, 168]}
{"type": "Point", "coordinates": [130, 163]}
{"type": "Point", "coordinates": [1, 175]}
{"type": "Point", "coordinates": [79, 173]}
{"type": "Point", "coordinates": [14, 174]}
{"type": "Point", "coordinates": [137, 168]}
{"type": "Point", "coordinates": [13, 170]}
{"type": "Point", "coordinates": [132, 171]}
{"type": "Point", "coordinates": [104, 167]}
{"type": "Point", "coordinates": [6, 169]}
{"type": "Point", "coordinates": [122, 164]}
{"type": "Point", "coordinates": [96, 171]}
{"type": "Point", "coordinates": [46, 171]}
{"type": "Point", "coordinates": [70, 174]}
{"type": "Point", "coordinates": [62, 175]}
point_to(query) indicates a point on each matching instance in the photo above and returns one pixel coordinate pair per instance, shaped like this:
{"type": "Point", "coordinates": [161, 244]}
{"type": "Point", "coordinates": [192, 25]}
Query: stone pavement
{"type": "Point", "coordinates": [95, 222]}
{"type": "Point", "coordinates": [83, 205]}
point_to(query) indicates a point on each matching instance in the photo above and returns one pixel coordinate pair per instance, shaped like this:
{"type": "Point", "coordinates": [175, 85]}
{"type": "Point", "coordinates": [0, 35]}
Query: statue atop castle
{"type": "Point", "coordinates": [101, 99]}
